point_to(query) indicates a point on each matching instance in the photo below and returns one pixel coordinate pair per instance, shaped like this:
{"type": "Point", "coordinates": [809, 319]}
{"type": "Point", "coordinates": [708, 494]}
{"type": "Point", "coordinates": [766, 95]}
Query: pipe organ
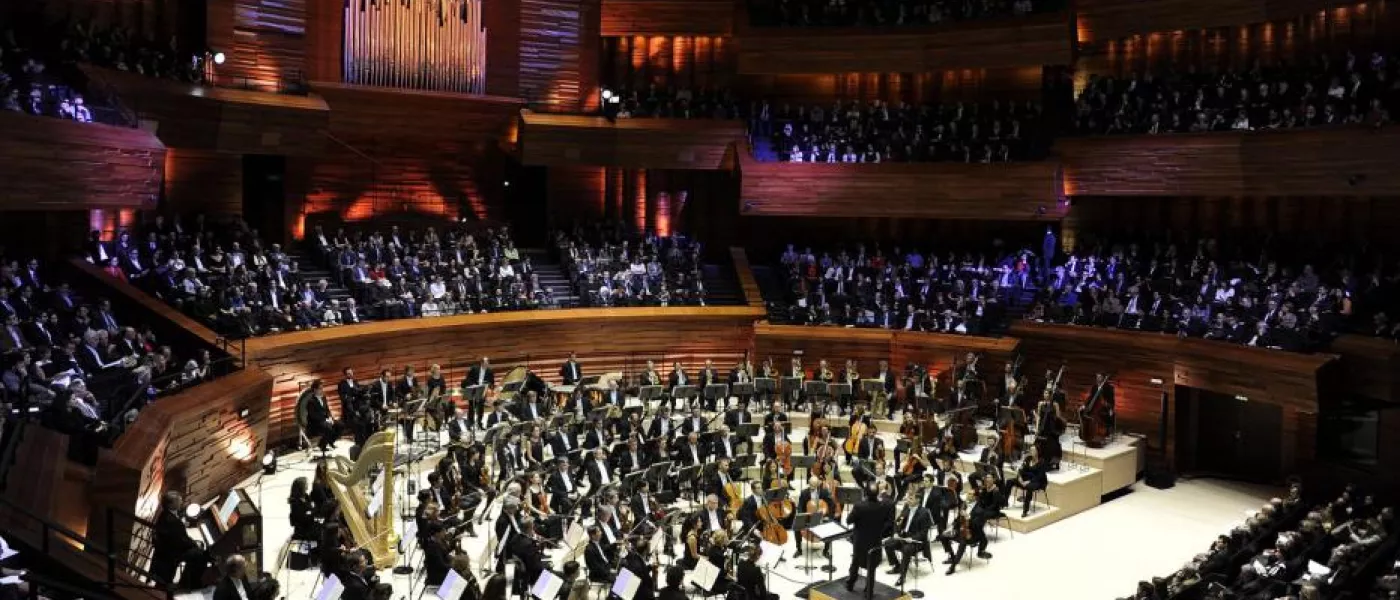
{"type": "Point", "coordinates": [435, 45]}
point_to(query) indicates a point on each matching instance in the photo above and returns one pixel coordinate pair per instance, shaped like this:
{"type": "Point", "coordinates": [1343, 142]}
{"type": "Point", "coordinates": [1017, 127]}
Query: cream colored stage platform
{"type": "Point", "coordinates": [1181, 522]}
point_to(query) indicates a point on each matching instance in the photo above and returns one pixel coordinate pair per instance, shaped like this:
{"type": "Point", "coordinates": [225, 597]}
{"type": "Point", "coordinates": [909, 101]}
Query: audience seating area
{"type": "Point", "coordinates": [1290, 548]}
{"type": "Point", "coordinates": [1355, 88]}
{"type": "Point", "coordinates": [845, 13]}
{"type": "Point", "coordinates": [607, 269]}
{"type": "Point", "coordinates": [73, 362]}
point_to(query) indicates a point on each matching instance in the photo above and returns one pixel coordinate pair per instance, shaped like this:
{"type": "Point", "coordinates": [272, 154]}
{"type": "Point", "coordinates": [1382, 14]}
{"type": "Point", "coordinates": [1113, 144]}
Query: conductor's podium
{"type": "Point", "coordinates": [1086, 475]}
{"type": "Point", "coordinates": [836, 590]}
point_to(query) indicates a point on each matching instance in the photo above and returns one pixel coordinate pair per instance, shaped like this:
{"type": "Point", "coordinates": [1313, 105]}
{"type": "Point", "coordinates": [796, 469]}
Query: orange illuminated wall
{"type": "Point", "coordinates": [109, 220]}
{"type": "Point", "coordinates": [264, 42]}
{"type": "Point", "coordinates": [685, 61]}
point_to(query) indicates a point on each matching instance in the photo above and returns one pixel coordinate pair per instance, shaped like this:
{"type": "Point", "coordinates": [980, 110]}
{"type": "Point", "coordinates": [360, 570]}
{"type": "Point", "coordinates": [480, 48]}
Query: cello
{"type": "Point", "coordinates": [1013, 427]}
{"type": "Point", "coordinates": [1095, 414]}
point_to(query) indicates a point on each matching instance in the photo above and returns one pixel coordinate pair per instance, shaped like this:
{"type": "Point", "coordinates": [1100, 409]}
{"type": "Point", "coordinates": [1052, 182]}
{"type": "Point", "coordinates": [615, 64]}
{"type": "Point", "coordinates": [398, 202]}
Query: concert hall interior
{"type": "Point", "coordinates": [655, 299]}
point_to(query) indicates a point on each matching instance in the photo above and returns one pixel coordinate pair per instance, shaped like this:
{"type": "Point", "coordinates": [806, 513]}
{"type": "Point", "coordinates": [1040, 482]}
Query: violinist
{"type": "Point", "coordinates": [631, 459]}
{"type": "Point", "coordinates": [645, 506]}
{"type": "Point", "coordinates": [911, 529]}
{"type": "Point", "coordinates": [528, 549]}
{"type": "Point", "coordinates": [724, 445]}
{"type": "Point", "coordinates": [817, 501]}
{"type": "Point", "coordinates": [716, 554]}
{"type": "Point", "coordinates": [598, 436]}
{"type": "Point", "coordinates": [661, 427]}
{"type": "Point", "coordinates": [1030, 478]}
{"type": "Point", "coordinates": [562, 487]}
{"type": "Point", "coordinates": [531, 409]}
{"type": "Point", "coordinates": [599, 472]}
{"type": "Point", "coordinates": [635, 561]}
{"type": "Point", "coordinates": [598, 557]}
{"type": "Point", "coordinates": [507, 526]}
{"type": "Point", "coordinates": [563, 442]}
{"type": "Point", "coordinates": [570, 372]}
{"type": "Point", "coordinates": [849, 376]}
{"type": "Point", "coordinates": [437, 555]}
{"type": "Point", "coordinates": [632, 426]}
{"type": "Point", "coordinates": [510, 459]}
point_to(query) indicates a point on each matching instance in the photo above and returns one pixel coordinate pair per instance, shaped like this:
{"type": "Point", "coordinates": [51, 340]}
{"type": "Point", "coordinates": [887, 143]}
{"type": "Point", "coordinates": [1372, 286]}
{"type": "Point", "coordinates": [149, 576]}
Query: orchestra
{"type": "Point", "coordinates": [623, 471]}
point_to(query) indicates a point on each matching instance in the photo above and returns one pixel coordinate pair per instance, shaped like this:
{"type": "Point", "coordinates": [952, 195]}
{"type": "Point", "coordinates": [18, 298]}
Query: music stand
{"type": "Point", "coordinates": [658, 470]}
{"type": "Point", "coordinates": [684, 393]}
{"type": "Point", "coordinates": [747, 431]}
{"type": "Point", "coordinates": [744, 461]}
{"type": "Point", "coordinates": [871, 387]}
{"type": "Point", "coordinates": [687, 476]}
{"type": "Point", "coordinates": [838, 390]}
{"type": "Point", "coordinates": [804, 461]}
{"type": "Point", "coordinates": [815, 389]}
{"type": "Point", "coordinates": [629, 480]}
{"type": "Point", "coordinates": [744, 391]}
{"type": "Point", "coordinates": [716, 392]}
{"type": "Point", "coordinates": [840, 433]}
{"type": "Point", "coordinates": [790, 386]}
{"type": "Point", "coordinates": [475, 394]}
{"type": "Point", "coordinates": [765, 387]}
{"type": "Point", "coordinates": [802, 522]}
{"type": "Point", "coordinates": [648, 393]}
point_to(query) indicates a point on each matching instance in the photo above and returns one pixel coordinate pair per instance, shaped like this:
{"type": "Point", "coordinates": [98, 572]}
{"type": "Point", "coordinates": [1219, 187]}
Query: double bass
{"type": "Point", "coordinates": [1013, 427]}
{"type": "Point", "coordinates": [1094, 416]}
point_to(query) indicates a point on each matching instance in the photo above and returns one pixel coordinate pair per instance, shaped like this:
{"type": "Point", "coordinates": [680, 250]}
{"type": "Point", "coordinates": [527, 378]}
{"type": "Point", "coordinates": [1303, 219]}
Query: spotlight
{"type": "Point", "coordinates": [269, 463]}
{"type": "Point", "coordinates": [1155, 381]}
{"type": "Point", "coordinates": [607, 94]}
{"type": "Point", "coordinates": [219, 58]}
{"type": "Point", "coordinates": [192, 511]}
{"type": "Point", "coordinates": [507, 183]}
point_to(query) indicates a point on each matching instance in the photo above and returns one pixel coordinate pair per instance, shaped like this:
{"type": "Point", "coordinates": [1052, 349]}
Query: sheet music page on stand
{"type": "Point", "coordinates": [547, 586]}
{"type": "Point", "coordinates": [626, 585]}
{"type": "Point", "coordinates": [453, 586]}
{"type": "Point", "coordinates": [704, 575]}
{"type": "Point", "coordinates": [828, 529]}
{"type": "Point", "coordinates": [331, 589]}
{"type": "Point", "coordinates": [772, 553]}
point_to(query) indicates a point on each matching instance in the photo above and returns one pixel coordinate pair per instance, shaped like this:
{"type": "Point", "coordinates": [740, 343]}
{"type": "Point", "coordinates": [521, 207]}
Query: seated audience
{"type": "Point", "coordinates": [609, 270]}
{"type": "Point", "coordinates": [906, 291]}
{"type": "Point", "coordinates": [899, 12]}
{"type": "Point", "coordinates": [1328, 90]}
{"type": "Point", "coordinates": [677, 103]}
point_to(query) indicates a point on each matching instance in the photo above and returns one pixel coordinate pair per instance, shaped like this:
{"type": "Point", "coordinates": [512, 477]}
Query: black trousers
{"type": "Point", "coordinates": [901, 553]}
{"type": "Point", "coordinates": [327, 431]}
{"type": "Point", "coordinates": [475, 412]}
{"type": "Point", "coordinates": [1027, 492]}
{"type": "Point", "coordinates": [870, 563]}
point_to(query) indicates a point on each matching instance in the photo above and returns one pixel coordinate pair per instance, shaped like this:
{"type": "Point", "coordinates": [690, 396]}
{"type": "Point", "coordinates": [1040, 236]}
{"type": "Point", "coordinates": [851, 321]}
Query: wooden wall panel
{"type": "Point", "coordinates": [203, 182]}
{"type": "Point", "coordinates": [574, 194]}
{"type": "Point", "coordinates": [264, 42]}
{"type": "Point", "coordinates": [606, 340]}
{"type": "Point", "coordinates": [325, 32]}
{"type": "Point", "coordinates": [381, 158]}
{"type": "Point", "coordinates": [668, 17]}
{"type": "Point", "coordinates": [559, 54]}
{"type": "Point", "coordinates": [503, 56]}
{"type": "Point", "coordinates": [56, 164]}
{"type": "Point", "coordinates": [693, 62]}
{"type": "Point", "coordinates": [1013, 192]}
{"type": "Point", "coordinates": [1371, 366]}
{"type": "Point", "coordinates": [223, 120]}
{"type": "Point", "coordinates": [563, 140]}
{"type": "Point", "coordinates": [1101, 20]}
{"type": "Point", "coordinates": [1343, 161]}
{"type": "Point", "coordinates": [1021, 42]}
{"type": "Point", "coordinates": [1339, 220]}
{"type": "Point", "coordinates": [154, 19]}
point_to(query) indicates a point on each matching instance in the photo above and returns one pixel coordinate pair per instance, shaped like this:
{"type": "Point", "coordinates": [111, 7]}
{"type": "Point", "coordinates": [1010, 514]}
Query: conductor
{"type": "Point", "coordinates": [869, 521]}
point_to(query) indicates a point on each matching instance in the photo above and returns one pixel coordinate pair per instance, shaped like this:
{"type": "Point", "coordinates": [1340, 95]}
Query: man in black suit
{"type": "Point", "coordinates": [571, 372]}
{"type": "Point", "coordinates": [709, 375]}
{"type": "Point", "coordinates": [317, 413]}
{"type": "Point", "coordinates": [595, 557]}
{"type": "Point", "coordinates": [561, 486]}
{"type": "Point", "coordinates": [234, 584]}
{"type": "Point", "coordinates": [724, 445]}
{"type": "Point", "coordinates": [695, 423]}
{"type": "Point", "coordinates": [815, 491]}
{"type": "Point", "coordinates": [353, 578]}
{"type": "Point", "coordinates": [748, 511]}
{"type": "Point", "coordinates": [172, 544]}
{"type": "Point", "coordinates": [381, 392]}
{"type": "Point", "coordinates": [631, 459]}
{"type": "Point", "coordinates": [1031, 478]}
{"type": "Point", "coordinates": [912, 527]}
{"type": "Point", "coordinates": [677, 377]}
{"type": "Point", "coordinates": [531, 408]}
{"type": "Point", "coordinates": [349, 391]}
{"type": "Point", "coordinates": [437, 558]}
{"type": "Point", "coordinates": [661, 426]}
{"type": "Point", "coordinates": [479, 374]}
{"type": "Point", "coordinates": [635, 561]}
{"type": "Point", "coordinates": [868, 521]}
{"type": "Point", "coordinates": [736, 417]}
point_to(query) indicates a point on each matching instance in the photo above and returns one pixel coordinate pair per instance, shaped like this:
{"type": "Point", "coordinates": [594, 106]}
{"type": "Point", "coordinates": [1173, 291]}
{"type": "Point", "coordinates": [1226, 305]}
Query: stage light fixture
{"type": "Point", "coordinates": [1155, 381]}
{"type": "Point", "coordinates": [219, 58]}
{"type": "Point", "coordinates": [615, 100]}
{"type": "Point", "coordinates": [269, 463]}
{"type": "Point", "coordinates": [192, 511]}
{"type": "Point", "coordinates": [607, 94]}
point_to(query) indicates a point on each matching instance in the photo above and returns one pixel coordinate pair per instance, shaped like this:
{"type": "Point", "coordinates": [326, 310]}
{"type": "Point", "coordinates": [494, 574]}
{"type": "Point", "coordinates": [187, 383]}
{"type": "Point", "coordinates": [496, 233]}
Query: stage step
{"type": "Point", "coordinates": [1042, 515]}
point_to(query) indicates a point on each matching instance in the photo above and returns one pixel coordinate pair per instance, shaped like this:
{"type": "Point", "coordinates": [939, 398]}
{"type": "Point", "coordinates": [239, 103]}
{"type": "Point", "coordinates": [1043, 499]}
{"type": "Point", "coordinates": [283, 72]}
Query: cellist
{"type": "Point", "coordinates": [1048, 427]}
{"type": "Point", "coordinates": [815, 500]}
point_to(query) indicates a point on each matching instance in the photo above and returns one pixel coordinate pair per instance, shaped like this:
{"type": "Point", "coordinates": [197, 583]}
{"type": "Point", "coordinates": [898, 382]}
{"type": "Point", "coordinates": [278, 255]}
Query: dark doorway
{"type": "Point", "coordinates": [264, 195]}
{"type": "Point", "coordinates": [1229, 437]}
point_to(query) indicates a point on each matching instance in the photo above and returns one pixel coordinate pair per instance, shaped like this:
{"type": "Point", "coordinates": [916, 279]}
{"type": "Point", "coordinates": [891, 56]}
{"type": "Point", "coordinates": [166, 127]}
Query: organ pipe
{"type": "Point", "coordinates": [435, 45]}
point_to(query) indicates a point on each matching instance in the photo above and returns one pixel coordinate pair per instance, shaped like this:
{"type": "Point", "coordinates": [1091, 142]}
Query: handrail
{"type": "Point", "coordinates": [85, 545]}
{"type": "Point", "coordinates": [141, 391]}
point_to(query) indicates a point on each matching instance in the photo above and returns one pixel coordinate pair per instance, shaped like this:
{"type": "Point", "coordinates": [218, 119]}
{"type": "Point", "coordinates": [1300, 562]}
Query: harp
{"type": "Point", "coordinates": [350, 482]}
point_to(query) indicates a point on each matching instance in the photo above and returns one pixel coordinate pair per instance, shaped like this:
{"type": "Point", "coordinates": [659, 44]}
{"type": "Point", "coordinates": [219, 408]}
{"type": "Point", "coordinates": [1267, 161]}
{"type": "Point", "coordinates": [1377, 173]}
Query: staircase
{"type": "Point", "coordinates": [771, 288]}
{"type": "Point", "coordinates": [721, 286]}
{"type": "Point", "coordinates": [312, 271]}
{"type": "Point", "coordinates": [553, 276]}
{"type": "Point", "coordinates": [763, 150]}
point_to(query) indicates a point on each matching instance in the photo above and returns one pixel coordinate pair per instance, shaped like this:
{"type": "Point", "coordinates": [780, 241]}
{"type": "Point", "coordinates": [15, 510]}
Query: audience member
{"type": "Point", "coordinates": [609, 270]}
{"type": "Point", "coordinates": [677, 103]}
{"type": "Point", "coordinates": [898, 12]}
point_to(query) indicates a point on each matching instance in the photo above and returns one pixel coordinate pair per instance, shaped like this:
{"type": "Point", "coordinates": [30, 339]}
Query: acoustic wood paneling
{"type": "Point", "coordinates": [1339, 220]}
{"type": "Point", "coordinates": [668, 17]}
{"type": "Point", "coordinates": [574, 195]}
{"type": "Point", "coordinates": [325, 32]}
{"type": "Point", "coordinates": [203, 182]}
{"type": "Point", "coordinates": [503, 19]}
{"type": "Point", "coordinates": [222, 120]}
{"type": "Point", "coordinates": [1343, 161]}
{"type": "Point", "coordinates": [56, 164]}
{"type": "Point", "coordinates": [555, 68]}
{"type": "Point", "coordinates": [606, 340]}
{"type": "Point", "coordinates": [1020, 42]}
{"type": "Point", "coordinates": [409, 151]}
{"type": "Point", "coordinates": [153, 19]}
{"type": "Point", "coordinates": [562, 140]}
{"type": "Point", "coordinates": [969, 85]}
{"type": "Point", "coordinates": [264, 42]}
{"type": "Point", "coordinates": [1012, 192]}
{"type": "Point", "coordinates": [1371, 366]}
{"type": "Point", "coordinates": [1100, 20]}
{"type": "Point", "coordinates": [694, 62]}
{"type": "Point", "coordinates": [752, 295]}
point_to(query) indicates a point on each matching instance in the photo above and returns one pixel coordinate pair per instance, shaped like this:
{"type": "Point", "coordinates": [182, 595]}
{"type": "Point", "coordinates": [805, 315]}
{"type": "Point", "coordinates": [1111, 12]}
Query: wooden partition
{"type": "Point", "coordinates": [992, 44]}
{"type": "Point", "coordinates": [1371, 367]}
{"type": "Point", "coordinates": [1135, 359]}
{"type": "Point", "coordinates": [752, 295]}
{"type": "Point", "coordinates": [1100, 20]}
{"type": "Point", "coordinates": [56, 164]}
{"type": "Point", "coordinates": [1324, 161]}
{"type": "Point", "coordinates": [570, 140]}
{"type": "Point", "coordinates": [1008, 192]}
{"type": "Point", "coordinates": [606, 340]}
{"type": "Point", "coordinates": [668, 17]}
{"type": "Point", "coordinates": [185, 115]}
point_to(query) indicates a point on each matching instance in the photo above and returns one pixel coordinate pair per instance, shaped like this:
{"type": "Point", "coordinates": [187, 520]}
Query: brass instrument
{"type": "Point", "coordinates": [349, 483]}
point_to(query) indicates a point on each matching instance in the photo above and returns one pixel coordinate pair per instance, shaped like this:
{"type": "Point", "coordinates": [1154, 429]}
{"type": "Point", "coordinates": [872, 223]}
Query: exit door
{"type": "Point", "coordinates": [1237, 438]}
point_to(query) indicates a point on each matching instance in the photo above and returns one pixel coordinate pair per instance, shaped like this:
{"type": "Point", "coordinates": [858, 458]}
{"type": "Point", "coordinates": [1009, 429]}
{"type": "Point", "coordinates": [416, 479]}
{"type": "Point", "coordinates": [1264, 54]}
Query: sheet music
{"type": "Point", "coordinates": [771, 554]}
{"type": "Point", "coordinates": [376, 502]}
{"type": "Point", "coordinates": [547, 586]}
{"type": "Point", "coordinates": [5, 550]}
{"type": "Point", "coordinates": [453, 586]}
{"type": "Point", "coordinates": [10, 580]}
{"type": "Point", "coordinates": [226, 510]}
{"type": "Point", "coordinates": [1316, 569]}
{"type": "Point", "coordinates": [828, 529]}
{"type": "Point", "coordinates": [705, 575]}
{"type": "Point", "coordinates": [331, 589]}
{"type": "Point", "coordinates": [626, 585]}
